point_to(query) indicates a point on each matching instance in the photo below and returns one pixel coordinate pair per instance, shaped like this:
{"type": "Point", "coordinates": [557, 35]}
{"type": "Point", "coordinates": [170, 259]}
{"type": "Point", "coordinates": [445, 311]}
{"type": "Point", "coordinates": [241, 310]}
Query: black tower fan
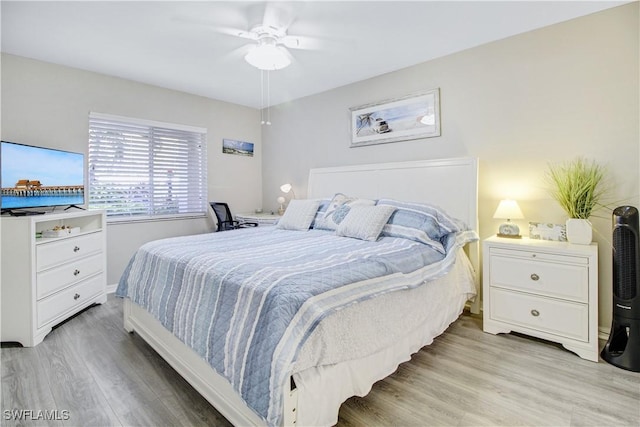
{"type": "Point", "coordinates": [623, 347]}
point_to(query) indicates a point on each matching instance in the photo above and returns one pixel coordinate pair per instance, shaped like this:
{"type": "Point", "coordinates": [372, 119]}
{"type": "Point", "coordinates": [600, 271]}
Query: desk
{"type": "Point", "coordinates": [261, 218]}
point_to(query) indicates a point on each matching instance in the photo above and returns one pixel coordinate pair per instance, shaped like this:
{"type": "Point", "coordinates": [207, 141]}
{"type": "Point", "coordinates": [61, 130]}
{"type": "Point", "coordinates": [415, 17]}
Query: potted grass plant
{"type": "Point", "coordinates": [578, 186]}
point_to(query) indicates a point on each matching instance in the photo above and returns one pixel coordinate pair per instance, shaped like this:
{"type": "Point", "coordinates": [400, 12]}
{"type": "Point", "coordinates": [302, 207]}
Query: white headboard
{"type": "Point", "coordinates": [451, 184]}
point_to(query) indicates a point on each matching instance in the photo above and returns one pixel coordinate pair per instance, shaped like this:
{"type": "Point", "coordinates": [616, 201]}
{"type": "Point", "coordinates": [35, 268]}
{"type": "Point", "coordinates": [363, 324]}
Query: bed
{"type": "Point", "coordinates": [307, 319]}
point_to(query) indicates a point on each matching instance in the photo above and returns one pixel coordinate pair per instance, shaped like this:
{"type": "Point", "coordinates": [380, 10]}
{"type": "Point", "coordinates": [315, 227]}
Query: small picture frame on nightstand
{"type": "Point", "coordinates": [547, 231]}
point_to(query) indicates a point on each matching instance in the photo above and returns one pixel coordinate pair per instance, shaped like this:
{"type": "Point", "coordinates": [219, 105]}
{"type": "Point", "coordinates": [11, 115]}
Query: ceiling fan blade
{"type": "Point", "coordinates": [234, 32]}
{"type": "Point", "coordinates": [246, 35]}
{"type": "Point", "coordinates": [302, 42]}
{"type": "Point", "coordinates": [219, 29]}
{"type": "Point", "coordinates": [291, 42]}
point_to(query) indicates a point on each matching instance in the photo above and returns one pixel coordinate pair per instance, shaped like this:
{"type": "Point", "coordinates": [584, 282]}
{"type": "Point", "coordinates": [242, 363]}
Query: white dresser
{"type": "Point", "coordinates": [47, 279]}
{"type": "Point", "coordinates": [544, 289]}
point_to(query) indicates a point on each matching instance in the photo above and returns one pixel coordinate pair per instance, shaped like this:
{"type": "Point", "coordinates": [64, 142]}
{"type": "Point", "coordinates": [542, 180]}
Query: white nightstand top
{"type": "Point", "coordinates": [542, 244]}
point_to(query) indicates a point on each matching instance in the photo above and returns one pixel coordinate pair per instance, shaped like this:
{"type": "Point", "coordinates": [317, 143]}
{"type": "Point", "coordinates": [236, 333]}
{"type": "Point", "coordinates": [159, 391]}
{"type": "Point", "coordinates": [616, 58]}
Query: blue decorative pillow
{"type": "Point", "coordinates": [320, 213]}
{"type": "Point", "coordinates": [419, 222]}
{"type": "Point", "coordinates": [337, 209]}
{"type": "Point", "coordinates": [339, 214]}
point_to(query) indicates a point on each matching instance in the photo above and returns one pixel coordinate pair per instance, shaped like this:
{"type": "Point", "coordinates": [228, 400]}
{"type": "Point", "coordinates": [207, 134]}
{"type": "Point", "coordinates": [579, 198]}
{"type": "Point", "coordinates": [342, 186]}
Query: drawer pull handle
{"type": "Point", "coordinates": [535, 277]}
{"type": "Point", "coordinates": [76, 272]}
{"type": "Point", "coordinates": [76, 296]}
{"type": "Point", "coordinates": [535, 313]}
{"type": "Point", "coordinates": [76, 249]}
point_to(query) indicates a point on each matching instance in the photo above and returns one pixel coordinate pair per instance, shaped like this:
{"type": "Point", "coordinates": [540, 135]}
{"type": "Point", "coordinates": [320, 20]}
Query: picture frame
{"type": "Point", "coordinates": [410, 117]}
{"type": "Point", "coordinates": [547, 231]}
{"type": "Point", "coordinates": [240, 148]}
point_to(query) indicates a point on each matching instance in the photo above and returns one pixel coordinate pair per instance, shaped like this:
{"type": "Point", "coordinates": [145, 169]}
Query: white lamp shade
{"type": "Point", "coordinates": [508, 209]}
{"type": "Point", "coordinates": [280, 200]}
{"type": "Point", "coordinates": [268, 57]}
{"type": "Point", "coordinates": [285, 188]}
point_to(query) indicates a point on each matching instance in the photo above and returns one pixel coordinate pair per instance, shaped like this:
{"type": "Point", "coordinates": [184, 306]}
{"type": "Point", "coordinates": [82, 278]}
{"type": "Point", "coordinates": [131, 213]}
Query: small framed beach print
{"type": "Point", "coordinates": [547, 231]}
{"type": "Point", "coordinates": [411, 117]}
{"type": "Point", "coordinates": [240, 148]}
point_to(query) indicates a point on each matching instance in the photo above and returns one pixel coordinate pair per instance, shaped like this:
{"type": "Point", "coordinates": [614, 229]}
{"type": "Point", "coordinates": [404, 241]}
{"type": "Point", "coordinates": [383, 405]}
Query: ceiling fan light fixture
{"type": "Point", "coordinates": [268, 57]}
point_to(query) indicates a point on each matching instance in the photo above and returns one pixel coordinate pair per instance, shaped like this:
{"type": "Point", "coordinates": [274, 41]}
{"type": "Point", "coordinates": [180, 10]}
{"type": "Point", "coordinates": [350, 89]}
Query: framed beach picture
{"type": "Point", "coordinates": [411, 117]}
{"type": "Point", "coordinates": [241, 148]}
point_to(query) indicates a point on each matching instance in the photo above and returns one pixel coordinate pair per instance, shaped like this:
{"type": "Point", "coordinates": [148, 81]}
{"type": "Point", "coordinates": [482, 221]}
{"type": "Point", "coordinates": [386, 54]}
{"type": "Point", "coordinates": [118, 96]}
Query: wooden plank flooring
{"type": "Point", "coordinates": [103, 376]}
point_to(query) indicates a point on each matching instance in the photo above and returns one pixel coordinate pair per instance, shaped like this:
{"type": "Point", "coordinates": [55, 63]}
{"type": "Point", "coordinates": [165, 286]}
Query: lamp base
{"type": "Point", "coordinates": [510, 236]}
{"type": "Point", "coordinates": [509, 229]}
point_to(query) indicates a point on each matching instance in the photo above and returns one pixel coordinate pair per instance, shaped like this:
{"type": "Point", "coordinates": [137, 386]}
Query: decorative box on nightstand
{"type": "Point", "coordinates": [544, 289]}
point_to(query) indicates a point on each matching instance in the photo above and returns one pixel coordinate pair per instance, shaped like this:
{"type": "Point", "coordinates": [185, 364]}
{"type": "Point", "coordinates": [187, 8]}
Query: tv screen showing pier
{"type": "Point", "coordinates": [33, 176]}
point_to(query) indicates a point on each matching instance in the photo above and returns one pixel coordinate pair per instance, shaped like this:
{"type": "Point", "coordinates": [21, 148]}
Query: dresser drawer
{"type": "Point", "coordinates": [65, 301]}
{"type": "Point", "coordinates": [54, 279]}
{"type": "Point", "coordinates": [562, 318]}
{"type": "Point", "coordinates": [554, 279]}
{"type": "Point", "coordinates": [51, 254]}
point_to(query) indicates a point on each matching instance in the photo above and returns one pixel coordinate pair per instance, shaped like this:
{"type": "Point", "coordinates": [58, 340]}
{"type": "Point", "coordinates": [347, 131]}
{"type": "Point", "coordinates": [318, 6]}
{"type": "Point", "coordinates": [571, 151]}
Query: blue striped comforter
{"type": "Point", "coordinates": [246, 300]}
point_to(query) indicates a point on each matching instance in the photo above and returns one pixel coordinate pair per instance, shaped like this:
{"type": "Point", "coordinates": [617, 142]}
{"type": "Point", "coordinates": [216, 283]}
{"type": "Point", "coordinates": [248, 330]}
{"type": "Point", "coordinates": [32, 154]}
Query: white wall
{"type": "Point", "coordinates": [517, 104]}
{"type": "Point", "coordinates": [48, 105]}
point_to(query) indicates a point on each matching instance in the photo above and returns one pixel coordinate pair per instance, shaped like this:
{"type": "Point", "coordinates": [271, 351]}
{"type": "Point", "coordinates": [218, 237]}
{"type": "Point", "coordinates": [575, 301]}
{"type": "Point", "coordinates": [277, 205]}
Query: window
{"type": "Point", "coordinates": [139, 169]}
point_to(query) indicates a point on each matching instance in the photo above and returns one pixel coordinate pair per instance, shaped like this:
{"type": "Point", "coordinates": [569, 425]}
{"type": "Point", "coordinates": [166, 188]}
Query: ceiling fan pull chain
{"type": "Point", "coordinates": [268, 98]}
{"type": "Point", "coordinates": [261, 97]}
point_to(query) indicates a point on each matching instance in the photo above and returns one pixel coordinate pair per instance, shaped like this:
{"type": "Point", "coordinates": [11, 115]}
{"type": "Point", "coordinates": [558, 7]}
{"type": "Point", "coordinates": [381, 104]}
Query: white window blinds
{"type": "Point", "coordinates": [139, 169]}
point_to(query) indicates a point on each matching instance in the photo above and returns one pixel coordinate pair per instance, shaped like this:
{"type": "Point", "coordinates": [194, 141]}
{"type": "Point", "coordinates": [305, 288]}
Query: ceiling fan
{"type": "Point", "coordinates": [269, 52]}
{"type": "Point", "coordinates": [269, 32]}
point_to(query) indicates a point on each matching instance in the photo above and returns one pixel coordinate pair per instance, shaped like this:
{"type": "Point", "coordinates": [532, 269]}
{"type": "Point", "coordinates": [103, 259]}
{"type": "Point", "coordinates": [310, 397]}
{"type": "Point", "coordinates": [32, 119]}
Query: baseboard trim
{"type": "Point", "coordinates": [111, 289]}
{"type": "Point", "coordinates": [603, 333]}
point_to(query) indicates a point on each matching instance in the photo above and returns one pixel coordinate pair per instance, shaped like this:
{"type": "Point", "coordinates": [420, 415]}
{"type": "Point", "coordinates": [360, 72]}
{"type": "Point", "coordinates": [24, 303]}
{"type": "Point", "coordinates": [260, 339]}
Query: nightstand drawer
{"type": "Point", "coordinates": [559, 280]}
{"type": "Point", "coordinates": [562, 318]}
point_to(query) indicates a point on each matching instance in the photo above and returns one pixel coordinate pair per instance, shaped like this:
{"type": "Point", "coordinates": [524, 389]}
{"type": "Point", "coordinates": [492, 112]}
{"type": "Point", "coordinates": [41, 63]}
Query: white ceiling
{"type": "Point", "coordinates": [183, 45]}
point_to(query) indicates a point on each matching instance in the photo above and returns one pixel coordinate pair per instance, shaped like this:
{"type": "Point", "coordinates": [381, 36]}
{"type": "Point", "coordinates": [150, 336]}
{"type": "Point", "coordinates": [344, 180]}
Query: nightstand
{"type": "Point", "coordinates": [261, 218]}
{"type": "Point", "coordinates": [544, 289]}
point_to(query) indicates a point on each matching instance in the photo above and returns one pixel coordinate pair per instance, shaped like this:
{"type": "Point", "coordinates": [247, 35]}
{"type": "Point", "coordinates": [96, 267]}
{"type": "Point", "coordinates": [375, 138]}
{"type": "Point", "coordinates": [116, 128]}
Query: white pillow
{"type": "Point", "coordinates": [365, 222]}
{"type": "Point", "coordinates": [299, 215]}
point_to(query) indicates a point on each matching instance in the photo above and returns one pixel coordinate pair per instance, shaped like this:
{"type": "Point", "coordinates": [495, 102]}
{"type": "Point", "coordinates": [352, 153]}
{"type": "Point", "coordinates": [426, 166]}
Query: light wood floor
{"type": "Point", "coordinates": [103, 376]}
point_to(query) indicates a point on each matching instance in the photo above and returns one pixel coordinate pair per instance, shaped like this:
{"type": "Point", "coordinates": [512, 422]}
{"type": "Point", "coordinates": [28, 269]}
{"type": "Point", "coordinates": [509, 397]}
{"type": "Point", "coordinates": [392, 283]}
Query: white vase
{"type": "Point", "coordinates": [579, 231]}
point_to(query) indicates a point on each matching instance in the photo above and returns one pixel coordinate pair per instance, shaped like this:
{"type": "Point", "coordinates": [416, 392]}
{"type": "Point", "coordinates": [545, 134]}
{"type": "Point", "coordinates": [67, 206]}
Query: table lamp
{"type": "Point", "coordinates": [286, 188]}
{"type": "Point", "coordinates": [508, 209]}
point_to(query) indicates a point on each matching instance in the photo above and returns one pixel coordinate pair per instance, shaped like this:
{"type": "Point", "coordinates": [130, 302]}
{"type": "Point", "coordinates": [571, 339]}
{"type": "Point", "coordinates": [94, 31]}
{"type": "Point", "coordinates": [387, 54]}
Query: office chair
{"type": "Point", "coordinates": [225, 219]}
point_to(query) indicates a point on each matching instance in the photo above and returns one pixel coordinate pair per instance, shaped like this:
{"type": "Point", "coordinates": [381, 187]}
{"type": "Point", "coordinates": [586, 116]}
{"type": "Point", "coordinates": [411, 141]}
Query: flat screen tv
{"type": "Point", "coordinates": [35, 177]}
